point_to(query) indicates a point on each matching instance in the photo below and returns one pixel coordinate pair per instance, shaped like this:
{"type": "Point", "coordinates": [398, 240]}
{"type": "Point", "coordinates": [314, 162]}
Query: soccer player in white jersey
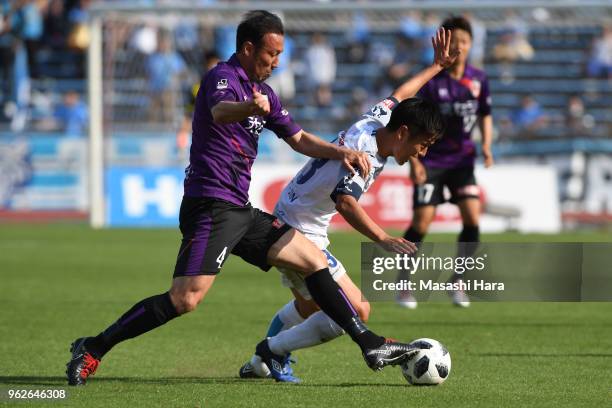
{"type": "Point", "coordinates": [399, 126]}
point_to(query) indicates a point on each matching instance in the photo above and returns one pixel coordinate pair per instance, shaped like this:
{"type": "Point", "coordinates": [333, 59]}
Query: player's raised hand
{"type": "Point", "coordinates": [443, 54]}
{"type": "Point", "coordinates": [359, 159]}
{"type": "Point", "coordinates": [398, 245]}
{"type": "Point", "coordinates": [261, 104]}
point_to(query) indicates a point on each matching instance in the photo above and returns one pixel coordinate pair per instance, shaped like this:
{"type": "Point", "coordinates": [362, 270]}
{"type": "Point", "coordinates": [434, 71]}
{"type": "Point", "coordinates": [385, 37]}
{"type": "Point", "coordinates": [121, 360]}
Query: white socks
{"type": "Point", "coordinates": [317, 329]}
{"type": "Point", "coordinates": [289, 317]}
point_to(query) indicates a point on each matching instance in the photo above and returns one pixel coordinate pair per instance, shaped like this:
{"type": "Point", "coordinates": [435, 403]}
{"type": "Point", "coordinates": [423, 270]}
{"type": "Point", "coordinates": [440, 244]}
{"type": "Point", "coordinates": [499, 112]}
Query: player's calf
{"type": "Point", "coordinates": [363, 310]}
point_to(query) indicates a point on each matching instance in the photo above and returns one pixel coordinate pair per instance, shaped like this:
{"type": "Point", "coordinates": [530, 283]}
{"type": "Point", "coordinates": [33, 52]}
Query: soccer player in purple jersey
{"type": "Point", "coordinates": [216, 218]}
{"type": "Point", "coordinates": [462, 92]}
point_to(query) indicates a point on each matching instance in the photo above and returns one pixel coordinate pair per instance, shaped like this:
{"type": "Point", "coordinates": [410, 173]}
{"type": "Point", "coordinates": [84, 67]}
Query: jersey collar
{"type": "Point", "coordinates": [373, 147]}
{"type": "Point", "coordinates": [235, 63]}
{"type": "Point", "coordinates": [467, 73]}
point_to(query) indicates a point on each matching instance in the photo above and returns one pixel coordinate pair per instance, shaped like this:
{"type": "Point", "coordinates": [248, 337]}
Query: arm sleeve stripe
{"type": "Point", "coordinates": [352, 186]}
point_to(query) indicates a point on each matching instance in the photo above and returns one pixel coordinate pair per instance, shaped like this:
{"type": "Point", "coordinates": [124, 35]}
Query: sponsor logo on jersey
{"type": "Point", "coordinates": [255, 125]}
{"type": "Point", "coordinates": [443, 93]}
{"type": "Point", "coordinates": [284, 112]}
{"type": "Point", "coordinates": [222, 84]}
{"type": "Point", "coordinates": [292, 195]}
{"type": "Point", "coordinates": [466, 108]}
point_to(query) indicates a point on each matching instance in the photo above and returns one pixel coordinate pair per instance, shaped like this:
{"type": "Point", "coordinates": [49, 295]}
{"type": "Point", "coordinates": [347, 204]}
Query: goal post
{"type": "Point", "coordinates": [96, 137]}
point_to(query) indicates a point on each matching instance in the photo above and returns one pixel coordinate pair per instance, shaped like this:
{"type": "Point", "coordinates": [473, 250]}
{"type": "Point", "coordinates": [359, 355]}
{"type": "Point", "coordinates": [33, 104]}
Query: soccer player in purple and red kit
{"type": "Point", "coordinates": [216, 218]}
{"type": "Point", "coordinates": [462, 93]}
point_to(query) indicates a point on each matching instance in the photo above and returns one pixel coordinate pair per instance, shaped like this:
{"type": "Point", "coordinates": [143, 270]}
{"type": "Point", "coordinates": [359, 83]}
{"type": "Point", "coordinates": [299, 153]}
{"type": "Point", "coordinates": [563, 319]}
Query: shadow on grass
{"type": "Point", "coordinates": [531, 355]}
{"type": "Point", "coordinates": [61, 381]}
{"type": "Point", "coordinates": [33, 380]}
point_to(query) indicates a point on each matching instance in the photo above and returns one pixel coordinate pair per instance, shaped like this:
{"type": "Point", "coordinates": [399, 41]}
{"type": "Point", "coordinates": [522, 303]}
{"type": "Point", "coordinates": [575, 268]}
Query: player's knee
{"type": "Point", "coordinates": [363, 310]}
{"type": "Point", "coordinates": [296, 252]}
{"type": "Point", "coordinates": [312, 260]}
{"type": "Point", "coordinates": [316, 261]}
{"type": "Point", "coordinates": [185, 301]}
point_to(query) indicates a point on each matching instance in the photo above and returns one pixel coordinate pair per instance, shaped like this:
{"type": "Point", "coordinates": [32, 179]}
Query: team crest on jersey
{"type": "Point", "coordinates": [222, 84]}
{"type": "Point", "coordinates": [443, 93]}
{"type": "Point", "coordinates": [473, 85]}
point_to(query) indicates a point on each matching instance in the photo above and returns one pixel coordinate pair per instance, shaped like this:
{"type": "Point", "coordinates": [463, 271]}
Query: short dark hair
{"type": "Point", "coordinates": [457, 22]}
{"type": "Point", "coordinates": [421, 116]}
{"type": "Point", "coordinates": [255, 24]}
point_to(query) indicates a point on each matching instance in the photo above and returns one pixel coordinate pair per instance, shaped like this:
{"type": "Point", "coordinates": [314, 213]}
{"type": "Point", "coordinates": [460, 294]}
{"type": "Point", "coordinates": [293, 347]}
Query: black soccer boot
{"type": "Point", "coordinates": [390, 353]}
{"type": "Point", "coordinates": [82, 364]}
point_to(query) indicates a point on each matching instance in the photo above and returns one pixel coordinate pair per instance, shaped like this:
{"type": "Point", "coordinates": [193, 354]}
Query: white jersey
{"type": "Point", "coordinates": [308, 202]}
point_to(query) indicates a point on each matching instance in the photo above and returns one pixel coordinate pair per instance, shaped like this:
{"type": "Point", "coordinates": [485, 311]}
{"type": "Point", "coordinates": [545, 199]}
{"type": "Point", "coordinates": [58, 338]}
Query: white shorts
{"type": "Point", "coordinates": [295, 280]}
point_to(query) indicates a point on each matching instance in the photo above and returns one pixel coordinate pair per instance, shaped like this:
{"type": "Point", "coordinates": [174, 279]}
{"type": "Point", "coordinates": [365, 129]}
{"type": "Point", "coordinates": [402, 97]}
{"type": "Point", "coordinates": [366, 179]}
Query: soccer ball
{"type": "Point", "coordinates": [431, 366]}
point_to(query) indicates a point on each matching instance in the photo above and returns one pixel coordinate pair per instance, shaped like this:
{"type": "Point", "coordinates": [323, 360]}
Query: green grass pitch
{"type": "Point", "coordinates": [59, 282]}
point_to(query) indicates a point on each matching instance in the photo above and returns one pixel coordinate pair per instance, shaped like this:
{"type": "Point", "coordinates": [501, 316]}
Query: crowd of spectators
{"type": "Point", "coordinates": [173, 57]}
{"type": "Point", "coordinates": [29, 28]}
{"type": "Point", "coordinates": [600, 58]}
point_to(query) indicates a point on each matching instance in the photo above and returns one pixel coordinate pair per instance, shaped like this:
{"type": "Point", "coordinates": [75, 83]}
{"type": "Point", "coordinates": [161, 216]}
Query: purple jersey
{"type": "Point", "coordinates": [462, 102]}
{"type": "Point", "coordinates": [221, 155]}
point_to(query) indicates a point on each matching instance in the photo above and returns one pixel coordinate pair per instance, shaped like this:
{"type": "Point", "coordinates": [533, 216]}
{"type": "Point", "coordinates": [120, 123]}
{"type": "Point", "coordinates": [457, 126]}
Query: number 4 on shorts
{"type": "Point", "coordinates": [221, 257]}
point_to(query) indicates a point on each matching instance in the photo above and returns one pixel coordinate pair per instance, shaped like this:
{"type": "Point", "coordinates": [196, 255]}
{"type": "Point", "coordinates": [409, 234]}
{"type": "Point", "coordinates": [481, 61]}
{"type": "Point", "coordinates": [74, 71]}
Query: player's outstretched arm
{"type": "Point", "coordinates": [444, 57]}
{"type": "Point", "coordinates": [355, 215]}
{"type": "Point", "coordinates": [486, 130]}
{"type": "Point", "coordinates": [313, 146]}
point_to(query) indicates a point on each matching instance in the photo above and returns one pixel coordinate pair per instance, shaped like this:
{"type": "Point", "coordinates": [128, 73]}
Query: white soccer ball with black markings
{"type": "Point", "coordinates": [431, 366]}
